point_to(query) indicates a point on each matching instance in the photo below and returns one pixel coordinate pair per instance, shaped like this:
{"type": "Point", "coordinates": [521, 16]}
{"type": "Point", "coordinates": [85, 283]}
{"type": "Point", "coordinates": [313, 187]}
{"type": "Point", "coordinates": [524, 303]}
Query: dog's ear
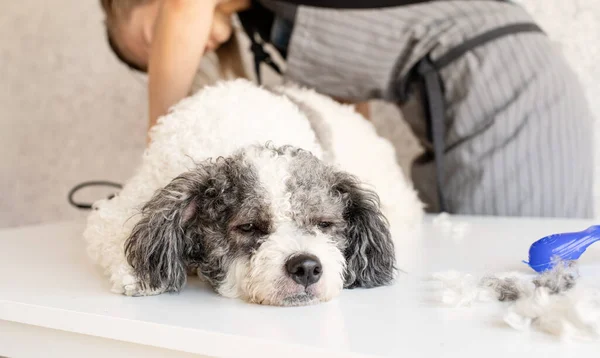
{"type": "Point", "coordinates": [370, 255]}
{"type": "Point", "coordinates": [157, 245]}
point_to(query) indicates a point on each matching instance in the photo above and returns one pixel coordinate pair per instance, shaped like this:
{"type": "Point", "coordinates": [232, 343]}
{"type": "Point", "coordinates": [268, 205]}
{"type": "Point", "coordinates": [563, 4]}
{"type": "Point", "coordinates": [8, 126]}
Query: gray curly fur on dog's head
{"type": "Point", "coordinates": [239, 221]}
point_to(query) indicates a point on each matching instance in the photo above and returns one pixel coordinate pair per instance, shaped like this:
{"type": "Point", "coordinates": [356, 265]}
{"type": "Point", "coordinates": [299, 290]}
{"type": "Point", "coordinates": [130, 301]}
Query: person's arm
{"type": "Point", "coordinates": [179, 40]}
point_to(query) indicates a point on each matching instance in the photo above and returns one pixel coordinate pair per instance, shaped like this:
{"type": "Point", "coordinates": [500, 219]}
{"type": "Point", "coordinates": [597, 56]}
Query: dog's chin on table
{"type": "Point", "coordinates": [304, 299]}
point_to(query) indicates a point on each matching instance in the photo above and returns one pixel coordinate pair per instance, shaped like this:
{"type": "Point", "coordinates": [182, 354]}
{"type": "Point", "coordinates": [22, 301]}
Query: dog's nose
{"type": "Point", "coordinates": [304, 269]}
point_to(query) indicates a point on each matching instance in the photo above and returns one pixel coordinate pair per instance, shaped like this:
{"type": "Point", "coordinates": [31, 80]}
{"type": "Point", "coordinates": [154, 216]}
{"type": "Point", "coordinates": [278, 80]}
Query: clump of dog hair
{"type": "Point", "coordinates": [505, 289]}
{"type": "Point", "coordinates": [558, 280]}
{"type": "Point", "coordinates": [550, 302]}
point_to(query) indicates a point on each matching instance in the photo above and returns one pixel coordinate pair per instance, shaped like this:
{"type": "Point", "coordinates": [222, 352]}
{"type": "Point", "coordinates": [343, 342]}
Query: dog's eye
{"type": "Point", "coordinates": [247, 228]}
{"type": "Point", "coordinates": [324, 224]}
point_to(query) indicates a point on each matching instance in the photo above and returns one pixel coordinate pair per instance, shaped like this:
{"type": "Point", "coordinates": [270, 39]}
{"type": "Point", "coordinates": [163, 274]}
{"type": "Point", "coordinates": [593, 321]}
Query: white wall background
{"type": "Point", "coordinates": [69, 112]}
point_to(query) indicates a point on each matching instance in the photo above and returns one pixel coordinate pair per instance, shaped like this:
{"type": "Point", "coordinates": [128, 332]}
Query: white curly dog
{"type": "Point", "coordinates": [276, 196]}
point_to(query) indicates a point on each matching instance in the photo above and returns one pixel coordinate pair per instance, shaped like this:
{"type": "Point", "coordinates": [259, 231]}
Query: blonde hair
{"type": "Point", "coordinates": [228, 54]}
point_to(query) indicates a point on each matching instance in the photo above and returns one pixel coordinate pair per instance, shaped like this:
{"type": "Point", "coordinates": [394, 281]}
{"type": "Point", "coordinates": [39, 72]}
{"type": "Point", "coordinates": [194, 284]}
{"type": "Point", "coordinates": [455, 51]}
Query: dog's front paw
{"type": "Point", "coordinates": [129, 285]}
{"type": "Point", "coordinates": [136, 290]}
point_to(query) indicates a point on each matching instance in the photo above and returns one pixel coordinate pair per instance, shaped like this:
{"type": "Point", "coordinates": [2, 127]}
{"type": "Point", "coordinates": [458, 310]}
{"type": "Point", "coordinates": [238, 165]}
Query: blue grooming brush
{"type": "Point", "coordinates": [543, 254]}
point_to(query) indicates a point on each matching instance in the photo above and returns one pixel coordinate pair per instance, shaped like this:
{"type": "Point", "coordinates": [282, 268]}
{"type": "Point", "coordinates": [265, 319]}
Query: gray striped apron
{"type": "Point", "coordinates": [434, 38]}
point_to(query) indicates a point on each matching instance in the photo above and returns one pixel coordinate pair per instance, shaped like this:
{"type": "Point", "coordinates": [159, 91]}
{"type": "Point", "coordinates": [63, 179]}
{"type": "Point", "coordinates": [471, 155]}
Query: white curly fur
{"type": "Point", "coordinates": [225, 117]}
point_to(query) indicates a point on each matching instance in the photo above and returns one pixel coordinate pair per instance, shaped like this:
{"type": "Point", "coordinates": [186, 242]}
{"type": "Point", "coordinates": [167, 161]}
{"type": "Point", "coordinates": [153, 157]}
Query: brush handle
{"type": "Point", "coordinates": [566, 246]}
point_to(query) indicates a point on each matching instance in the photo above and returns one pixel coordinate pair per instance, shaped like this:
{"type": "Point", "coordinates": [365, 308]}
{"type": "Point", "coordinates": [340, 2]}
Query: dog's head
{"type": "Point", "coordinates": [270, 225]}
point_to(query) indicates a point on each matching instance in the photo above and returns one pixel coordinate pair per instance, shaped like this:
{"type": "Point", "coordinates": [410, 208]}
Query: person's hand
{"type": "Point", "coordinates": [221, 29]}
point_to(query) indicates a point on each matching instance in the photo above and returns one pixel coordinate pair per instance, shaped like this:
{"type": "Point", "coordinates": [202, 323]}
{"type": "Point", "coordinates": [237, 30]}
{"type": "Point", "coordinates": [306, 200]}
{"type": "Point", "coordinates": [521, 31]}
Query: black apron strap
{"type": "Point", "coordinates": [360, 4]}
{"type": "Point", "coordinates": [257, 22]}
{"type": "Point", "coordinates": [482, 39]}
{"type": "Point", "coordinates": [433, 90]}
{"type": "Point", "coordinates": [354, 4]}
{"type": "Point", "coordinates": [434, 110]}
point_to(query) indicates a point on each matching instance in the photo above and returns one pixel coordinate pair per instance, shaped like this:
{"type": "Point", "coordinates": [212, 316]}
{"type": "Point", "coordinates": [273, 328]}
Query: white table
{"type": "Point", "coordinates": [53, 303]}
